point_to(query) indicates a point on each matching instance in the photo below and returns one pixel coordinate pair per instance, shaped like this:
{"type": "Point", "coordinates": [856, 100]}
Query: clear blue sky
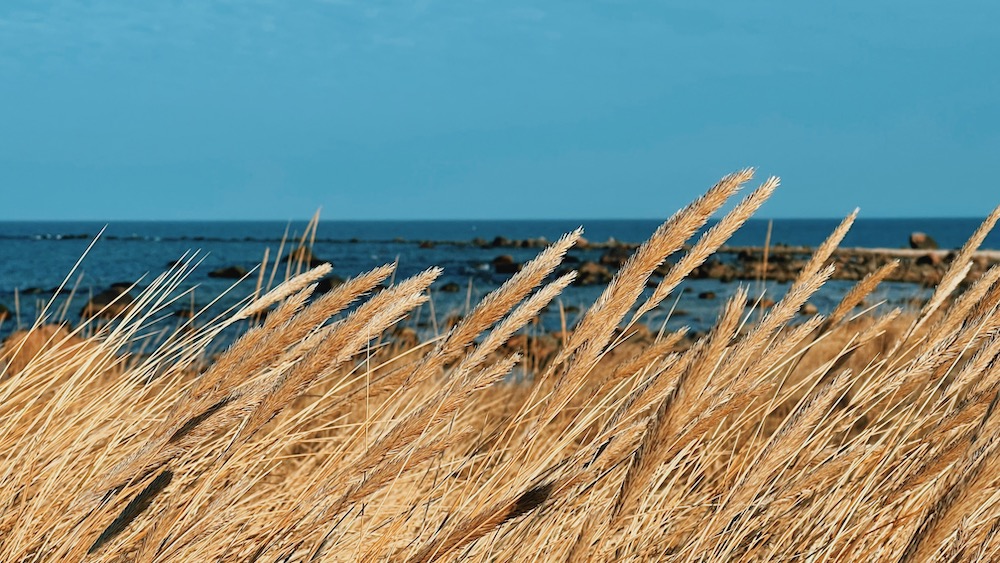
{"type": "Point", "coordinates": [268, 109]}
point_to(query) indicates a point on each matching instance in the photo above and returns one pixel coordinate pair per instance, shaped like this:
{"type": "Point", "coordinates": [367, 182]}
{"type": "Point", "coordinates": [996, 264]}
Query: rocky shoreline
{"type": "Point", "coordinates": [596, 263]}
{"type": "Point", "coordinates": [922, 266]}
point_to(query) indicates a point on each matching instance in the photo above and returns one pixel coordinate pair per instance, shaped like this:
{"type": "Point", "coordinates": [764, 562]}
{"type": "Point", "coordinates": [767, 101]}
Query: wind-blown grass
{"type": "Point", "coordinates": [865, 435]}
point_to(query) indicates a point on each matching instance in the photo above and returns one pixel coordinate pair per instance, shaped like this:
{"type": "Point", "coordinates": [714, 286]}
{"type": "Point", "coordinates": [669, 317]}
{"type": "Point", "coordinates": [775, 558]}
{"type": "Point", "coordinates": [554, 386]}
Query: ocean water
{"type": "Point", "coordinates": [35, 257]}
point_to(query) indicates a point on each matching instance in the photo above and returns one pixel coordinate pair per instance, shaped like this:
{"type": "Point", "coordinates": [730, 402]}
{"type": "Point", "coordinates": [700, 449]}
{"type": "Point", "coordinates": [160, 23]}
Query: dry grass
{"type": "Point", "coordinates": [862, 436]}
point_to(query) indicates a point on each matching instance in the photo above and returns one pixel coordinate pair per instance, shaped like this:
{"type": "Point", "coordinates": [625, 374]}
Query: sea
{"type": "Point", "coordinates": [37, 257]}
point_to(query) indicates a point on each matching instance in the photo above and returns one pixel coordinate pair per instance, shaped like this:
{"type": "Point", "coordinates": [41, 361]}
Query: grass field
{"type": "Point", "coordinates": [864, 435]}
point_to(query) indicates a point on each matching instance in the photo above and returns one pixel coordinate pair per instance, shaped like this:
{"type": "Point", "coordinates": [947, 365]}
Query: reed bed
{"type": "Point", "coordinates": [865, 435]}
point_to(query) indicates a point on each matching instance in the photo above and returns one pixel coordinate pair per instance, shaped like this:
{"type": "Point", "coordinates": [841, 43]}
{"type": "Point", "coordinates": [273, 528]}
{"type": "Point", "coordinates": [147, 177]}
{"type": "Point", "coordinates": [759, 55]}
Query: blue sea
{"type": "Point", "coordinates": [35, 257]}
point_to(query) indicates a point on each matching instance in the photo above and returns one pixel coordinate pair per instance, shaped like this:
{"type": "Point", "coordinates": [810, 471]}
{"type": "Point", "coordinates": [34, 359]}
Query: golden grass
{"type": "Point", "coordinates": [861, 436]}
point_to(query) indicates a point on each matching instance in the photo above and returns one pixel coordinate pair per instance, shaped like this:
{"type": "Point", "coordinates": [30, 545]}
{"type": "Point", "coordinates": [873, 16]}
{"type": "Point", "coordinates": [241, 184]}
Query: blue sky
{"type": "Point", "coordinates": [265, 109]}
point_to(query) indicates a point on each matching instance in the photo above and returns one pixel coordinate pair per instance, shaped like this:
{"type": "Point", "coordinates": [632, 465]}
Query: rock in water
{"type": "Point", "coordinates": [922, 241]}
{"type": "Point", "coordinates": [505, 264]}
{"type": "Point", "coordinates": [108, 304]}
{"type": "Point", "coordinates": [592, 273]}
{"type": "Point", "coordinates": [303, 255]}
{"type": "Point", "coordinates": [229, 272]}
{"type": "Point", "coordinates": [185, 313]}
{"type": "Point", "coordinates": [930, 259]}
{"type": "Point", "coordinates": [540, 242]}
{"type": "Point", "coordinates": [328, 283]}
{"type": "Point", "coordinates": [616, 256]}
{"type": "Point", "coordinates": [451, 287]}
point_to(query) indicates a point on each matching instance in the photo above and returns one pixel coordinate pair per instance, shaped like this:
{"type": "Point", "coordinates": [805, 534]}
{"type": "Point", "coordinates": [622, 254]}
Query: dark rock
{"type": "Point", "coordinates": [663, 269]}
{"type": "Point", "coordinates": [500, 242]}
{"type": "Point", "coordinates": [426, 244]}
{"type": "Point", "coordinates": [480, 242]}
{"type": "Point", "coordinates": [706, 295]}
{"type": "Point", "coordinates": [505, 264]}
{"type": "Point", "coordinates": [451, 287]}
{"type": "Point", "coordinates": [930, 276]}
{"type": "Point", "coordinates": [615, 256]}
{"type": "Point", "coordinates": [229, 272]}
{"type": "Point", "coordinates": [782, 275]}
{"type": "Point", "coordinates": [107, 304]}
{"type": "Point", "coordinates": [303, 255]}
{"type": "Point", "coordinates": [592, 273]}
{"type": "Point", "coordinates": [930, 259]}
{"type": "Point", "coordinates": [328, 283]}
{"type": "Point", "coordinates": [715, 269]}
{"type": "Point", "coordinates": [922, 241]}
{"type": "Point", "coordinates": [184, 313]}
{"type": "Point", "coordinates": [539, 242]}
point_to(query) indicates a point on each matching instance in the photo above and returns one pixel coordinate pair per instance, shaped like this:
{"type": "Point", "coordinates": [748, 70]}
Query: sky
{"type": "Point", "coordinates": [270, 109]}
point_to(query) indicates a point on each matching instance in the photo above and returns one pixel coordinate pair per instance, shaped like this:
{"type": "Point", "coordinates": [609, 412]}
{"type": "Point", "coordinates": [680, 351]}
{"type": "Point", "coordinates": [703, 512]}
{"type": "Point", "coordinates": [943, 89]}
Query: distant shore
{"type": "Point", "coordinates": [470, 265]}
{"type": "Point", "coordinates": [781, 263]}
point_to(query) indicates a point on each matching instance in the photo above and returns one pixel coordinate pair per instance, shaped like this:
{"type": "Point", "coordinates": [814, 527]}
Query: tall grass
{"type": "Point", "coordinates": [865, 435]}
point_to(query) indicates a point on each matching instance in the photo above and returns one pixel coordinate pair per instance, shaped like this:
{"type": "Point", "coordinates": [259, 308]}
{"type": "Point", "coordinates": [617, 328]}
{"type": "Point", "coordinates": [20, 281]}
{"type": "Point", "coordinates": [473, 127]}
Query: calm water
{"type": "Point", "coordinates": [36, 256]}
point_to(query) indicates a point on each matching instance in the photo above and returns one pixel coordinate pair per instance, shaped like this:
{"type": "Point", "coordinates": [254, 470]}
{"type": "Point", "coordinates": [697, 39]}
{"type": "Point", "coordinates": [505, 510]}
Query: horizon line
{"type": "Point", "coordinates": [463, 219]}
